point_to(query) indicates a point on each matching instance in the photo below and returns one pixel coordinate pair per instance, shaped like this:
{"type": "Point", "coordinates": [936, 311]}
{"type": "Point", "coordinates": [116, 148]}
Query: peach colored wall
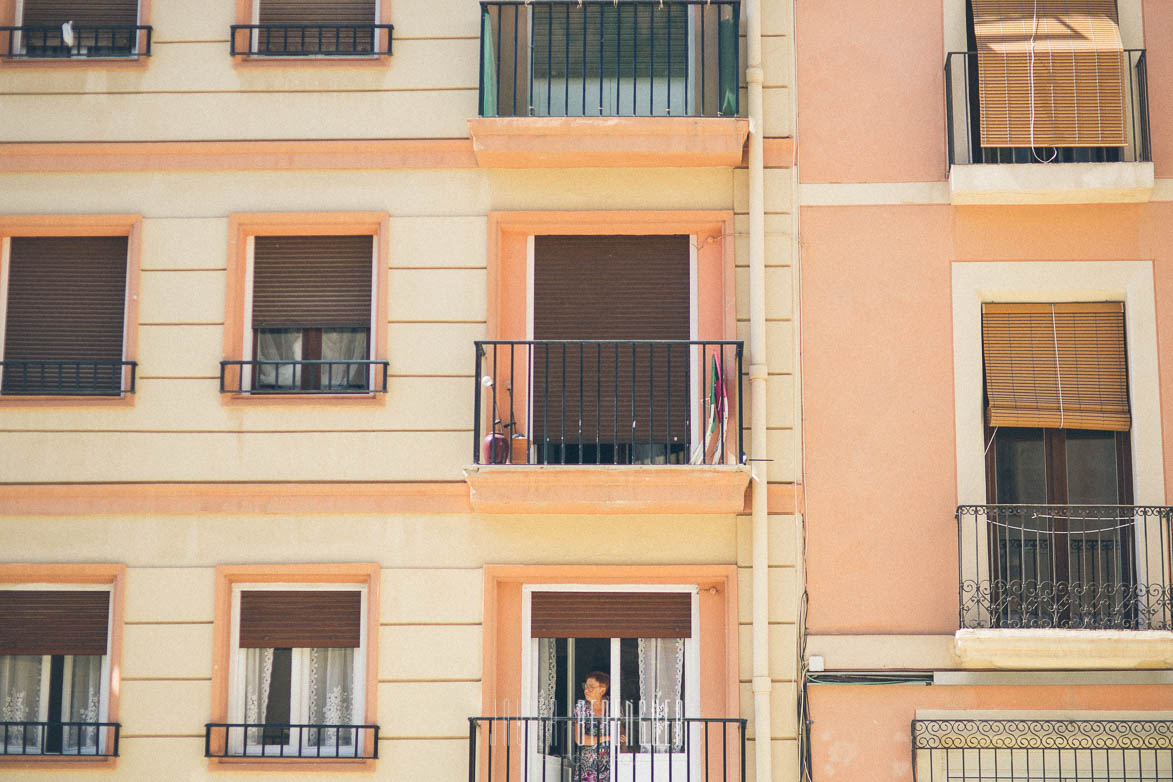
{"type": "Point", "coordinates": [877, 341]}
{"type": "Point", "coordinates": [863, 733]}
{"type": "Point", "coordinates": [1158, 31]}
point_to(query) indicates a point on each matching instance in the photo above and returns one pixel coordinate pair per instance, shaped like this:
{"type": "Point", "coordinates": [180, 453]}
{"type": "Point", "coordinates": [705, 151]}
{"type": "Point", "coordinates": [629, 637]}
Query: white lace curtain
{"type": "Point", "coordinates": [329, 697]}
{"type": "Point", "coordinates": [337, 345]}
{"type": "Point", "coordinates": [661, 690]}
{"type": "Point", "coordinates": [20, 700]}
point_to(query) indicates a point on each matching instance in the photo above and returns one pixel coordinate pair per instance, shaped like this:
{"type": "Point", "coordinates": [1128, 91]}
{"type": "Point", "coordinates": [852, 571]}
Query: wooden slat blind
{"type": "Point", "coordinates": [1077, 96]}
{"type": "Point", "coordinates": [66, 298]}
{"type": "Point", "coordinates": [91, 13]}
{"type": "Point", "coordinates": [312, 281]}
{"type": "Point", "coordinates": [1056, 365]}
{"type": "Point", "coordinates": [54, 621]}
{"type": "Point", "coordinates": [317, 12]}
{"type": "Point", "coordinates": [610, 288]}
{"type": "Point", "coordinates": [611, 615]}
{"type": "Point", "coordinates": [302, 619]}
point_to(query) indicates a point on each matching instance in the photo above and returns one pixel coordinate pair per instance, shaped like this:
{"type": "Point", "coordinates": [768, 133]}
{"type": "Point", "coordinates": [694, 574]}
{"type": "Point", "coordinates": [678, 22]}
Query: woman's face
{"type": "Point", "coordinates": [593, 689]}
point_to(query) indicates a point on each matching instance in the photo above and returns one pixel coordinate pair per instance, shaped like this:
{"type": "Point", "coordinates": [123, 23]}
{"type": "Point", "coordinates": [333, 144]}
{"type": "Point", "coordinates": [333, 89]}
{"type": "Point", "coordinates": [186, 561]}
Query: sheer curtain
{"type": "Point", "coordinates": [661, 690]}
{"type": "Point", "coordinates": [279, 345]}
{"type": "Point", "coordinates": [85, 694]}
{"type": "Point", "coordinates": [20, 698]}
{"type": "Point", "coordinates": [330, 696]}
{"type": "Point", "coordinates": [258, 678]}
{"type": "Point", "coordinates": [547, 689]}
{"type": "Point", "coordinates": [344, 345]}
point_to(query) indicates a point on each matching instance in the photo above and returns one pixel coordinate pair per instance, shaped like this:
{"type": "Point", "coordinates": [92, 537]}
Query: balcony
{"type": "Point", "coordinates": [641, 82]}
{"type": "Point", "coordinates": [67, 378]}
{"type": "Point", "coordinates": [285, 740]}
{"type": "Point", "coordinates": [311, 40]}
{"type": "Point", "coordinates": [59, 739]}
{"type": "Point", "coordinates": [989, 174]}
{"type": "Point", "coordinates": [76, 42]}
{"type": "Point", "coordinates": [303, 377]}
{"type": "Point", "coordinates": [515, 749]}
{"type": "Point", "coordinates": [563, 424]}
{"type": "Point", "coordinates": [975, 750]}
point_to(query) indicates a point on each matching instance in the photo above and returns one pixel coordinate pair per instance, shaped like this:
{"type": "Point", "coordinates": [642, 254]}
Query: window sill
{"type": "Point", "coordinates": [1051, 183]}
{"type": "Point", "coordinates": [42, 762]}
{"type": "Point", "coordinates": [15, 400]}
{"type": "Point", "coordinates": [607, 142]}
{"type": "Point", "coordinates": [86, 63]}
{"type": "Point", "coordinates": [280, 61]}
{"type": "Point", "coordinates": [253, 765]}
{"type": "Point", "coordinates": [699, 489]}
{"type": "Point", "coordinates": [1064, 649]}
{"type": "Point", "coordinates": [230, 399]}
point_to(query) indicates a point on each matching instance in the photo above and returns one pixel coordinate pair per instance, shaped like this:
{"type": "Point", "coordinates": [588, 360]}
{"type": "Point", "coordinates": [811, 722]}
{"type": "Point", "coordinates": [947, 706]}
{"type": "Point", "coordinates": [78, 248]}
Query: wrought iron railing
{"type": "Point", "coordinates": [520, 749]}
{"type": "Point", "coordinates": [311, 40]}
{"type": "Point", "coordinates": [85, 739]}
{"type": "Point", "coordinates": [106, 41]}
{"type": "Point", "coordinates": [963, 119]}
{"type": "Point", "coordinates": [303, 377]}
{"type": "Point", "coordinates": [607, 402]}
{"type": "Point", "coordinates": [982, 750]}
{"type": "Point", "coordinates": [290, 740]}
{"type": "Point", "coordinates": [67, 378]}
{"type": "Point", "coordinates": [595, 58]}
{"type": "Point", "coordinates": [1065, 566]}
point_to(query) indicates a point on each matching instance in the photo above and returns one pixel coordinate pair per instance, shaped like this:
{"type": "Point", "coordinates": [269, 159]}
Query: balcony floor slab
{"type": "Point", "coordinates": [1051, 183]}
{"type": "Point", "coordinates": [1055, 649]}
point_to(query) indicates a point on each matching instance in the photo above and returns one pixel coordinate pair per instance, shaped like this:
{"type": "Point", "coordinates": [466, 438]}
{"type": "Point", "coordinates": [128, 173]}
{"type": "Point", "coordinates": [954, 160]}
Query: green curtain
{"type": "Point", "coordinates": [728, 56]}
{"type": "Point", "coordinates": [488, 68]}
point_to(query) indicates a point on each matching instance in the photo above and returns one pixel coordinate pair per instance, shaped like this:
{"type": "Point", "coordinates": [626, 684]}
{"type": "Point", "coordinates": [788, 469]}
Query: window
{"type": "Point", "coordinates": [311, 318]}
{"type": "Point", "coordinates": [69, 304]}
{"type": "Point", "coordinates": [78, 28]}
{"type": "Point", "coordinates": [312, 28]}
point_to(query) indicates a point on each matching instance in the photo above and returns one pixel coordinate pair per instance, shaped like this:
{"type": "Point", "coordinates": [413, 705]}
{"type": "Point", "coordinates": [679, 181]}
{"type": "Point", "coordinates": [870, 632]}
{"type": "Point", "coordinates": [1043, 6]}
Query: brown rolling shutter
{"type": "Point", "coordinates": [281, 12]}
{"type": "Point", "coordinates": [1077, 95]}
{"type": "Point", "coordinates": [611, 615]}
{"type": "Point", "coordinates": [311, 618]}
{"type": "Point", "coordinates": [611, 288]}
{"type": "Point", "coordinates": [66, 299]}
{"type": "Point", "coordinates": [91, 13]}
{"type": "Point", "coordinates": [54, 621]}
{"type": "Point", "coordinates": [312, 281]}
{"type": "Point", "coordinates": [1056, 365]}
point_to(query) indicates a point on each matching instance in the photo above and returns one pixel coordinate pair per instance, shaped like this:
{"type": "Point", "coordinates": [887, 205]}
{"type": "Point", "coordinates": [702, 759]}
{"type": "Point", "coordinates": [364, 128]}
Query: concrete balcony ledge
{"type": "Point", "coordinates": [570, 489]}
{"type": "Point", "coordinates": [607, 142]}
{"type": "Point", "coordinates": [1051, 183]}
{"type": "Point", "coordinates": [1064, 649]}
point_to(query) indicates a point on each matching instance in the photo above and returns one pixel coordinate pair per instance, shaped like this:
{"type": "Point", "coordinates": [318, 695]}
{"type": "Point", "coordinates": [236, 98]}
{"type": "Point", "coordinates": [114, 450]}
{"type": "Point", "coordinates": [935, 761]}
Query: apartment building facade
{"type": "Point", "coordinates": [986, 291]}
{"type": "Point", "coordinates": [380, 378]}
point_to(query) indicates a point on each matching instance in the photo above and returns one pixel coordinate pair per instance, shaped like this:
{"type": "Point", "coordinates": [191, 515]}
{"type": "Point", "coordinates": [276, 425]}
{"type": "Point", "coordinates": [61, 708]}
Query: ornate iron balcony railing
{"type": "Point", "coordinates": [963, 119]}
{"type": "Point", "coordinates": [67, 378]}
{"type": "Point", "coordinates": [303, 377]}
{"type": "Point", "coordinates": [517, 749]}
{"type": "Point", "coordinates": [607, 402]}
{"type": "Point", "coordinates": [84, 739]}
{"type": "Point", "coordinates": [1065, 566]}
{"type": "Point", "coordinates": [609, 58]}
{"type": "Point", "coordinates": [311, 40]}
{"type": "Point", "coordinates": [1006, 750]}
{"type": "Point", "coordinates": [290, 740]}
{"type": "Point", "coordinates": [46, 42]}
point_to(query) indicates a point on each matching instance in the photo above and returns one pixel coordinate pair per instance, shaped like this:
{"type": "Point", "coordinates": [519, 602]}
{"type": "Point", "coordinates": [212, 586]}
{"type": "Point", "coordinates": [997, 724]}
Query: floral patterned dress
{"type": "Point", "coordinates": [592, 762]}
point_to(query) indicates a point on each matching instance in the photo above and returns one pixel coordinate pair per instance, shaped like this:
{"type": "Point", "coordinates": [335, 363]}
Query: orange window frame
{"type": "Point", "coordinates": [245, 14]}
{"type": "Point", "coordinates": [8, 19]}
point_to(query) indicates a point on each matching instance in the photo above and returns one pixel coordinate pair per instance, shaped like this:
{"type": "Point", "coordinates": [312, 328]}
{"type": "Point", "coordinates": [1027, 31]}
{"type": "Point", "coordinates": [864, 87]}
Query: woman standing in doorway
{"type": "Point", "coordinates": [592, 732]}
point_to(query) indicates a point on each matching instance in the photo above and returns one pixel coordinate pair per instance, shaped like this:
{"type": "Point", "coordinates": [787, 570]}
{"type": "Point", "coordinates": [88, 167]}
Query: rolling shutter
{"type": "Point", "coordinates": [66, 299]}
{"type": "Point", "coordinates": [281, 12]}
{"type": "Point", "coordinates": [312, 281]}
{"type": "Point", "coordinates": [611, 615]}
{"type": "Point", "coordinates": [91, 13]}
{"type": "Point", "coordinates": [1056, 365]}
{"type": "Point", "coordinates": [601, 40]}
{"type": "Point", "coordinates": [611, 288]}
{"type": "Point", "coordinates": [1051, 73]}
{"type": "Point", "coordinates": [300, 619]}
{"type": "Point", "coordinates": [54, 621]}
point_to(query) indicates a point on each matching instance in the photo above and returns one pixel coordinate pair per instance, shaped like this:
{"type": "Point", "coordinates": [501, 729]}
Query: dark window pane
{"type": "Point", "coordinates": [277, 708]}
{"type": "Point", "coordinates": [1021, 471]}
{"type": "Point", "coordinates": [1091, 468]}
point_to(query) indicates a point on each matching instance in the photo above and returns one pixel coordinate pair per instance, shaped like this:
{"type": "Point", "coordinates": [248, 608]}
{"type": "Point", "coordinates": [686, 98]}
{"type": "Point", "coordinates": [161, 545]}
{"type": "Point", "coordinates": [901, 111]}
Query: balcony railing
{"type": "Point", "coordinates": [67, 378]}
{"type": "Point", "coordinates": [303, 377]}
{"type": "Point", "coordinates": [963, 120]}
{"type": "Point", "coordinates": [1065, 566]}
{"type": "Point", "coordinates": [84, 739]}
{"type": "Point", "coordinates": [980, 750]}
{"type": "Point", "coordinates": [520, 749]}
{"type": "Point", "coordinates": [289, 740]}
{"type": "Point", "coordinates": [607, 402]}
{"type": "Point", "coordinates": [603, 58]}
{"type": "Point", "coordinates": [311, 40]}
{"type": "Point", "coordinates": [107, 41]}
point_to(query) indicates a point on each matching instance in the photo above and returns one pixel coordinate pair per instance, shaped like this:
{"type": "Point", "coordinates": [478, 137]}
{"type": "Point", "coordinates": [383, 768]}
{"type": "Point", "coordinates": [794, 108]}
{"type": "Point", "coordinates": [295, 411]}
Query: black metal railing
{"type": "Point", "coordinates": [311, 40]}
{"type": "Point", "coordinates": [85, 739]}
{"type": "Point", "coordinates": [291, 740]}
{"type": "Point", "coordinates": [106, 41]}
{"type": "Point", "coordinates": [303, 377]}
{"type": "Point", "coordinates": [67, 378]}
{"type": "Point", "coordinates": [602, 58]}
{"type": "Point", "coordinates": [963, 119]}
{"type": "Point", "coordinates": [607, 402]}
{"type": "Point", "coordinates": [1065, 566]}
{"type": "Point", "coordinates": [519, 749]}
{"type": "Point", "coordinates": [961, 750]}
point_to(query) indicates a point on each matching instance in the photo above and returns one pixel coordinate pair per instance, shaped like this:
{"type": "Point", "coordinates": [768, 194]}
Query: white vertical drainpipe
{"type": "Point", "coordinates": [757, 382]}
